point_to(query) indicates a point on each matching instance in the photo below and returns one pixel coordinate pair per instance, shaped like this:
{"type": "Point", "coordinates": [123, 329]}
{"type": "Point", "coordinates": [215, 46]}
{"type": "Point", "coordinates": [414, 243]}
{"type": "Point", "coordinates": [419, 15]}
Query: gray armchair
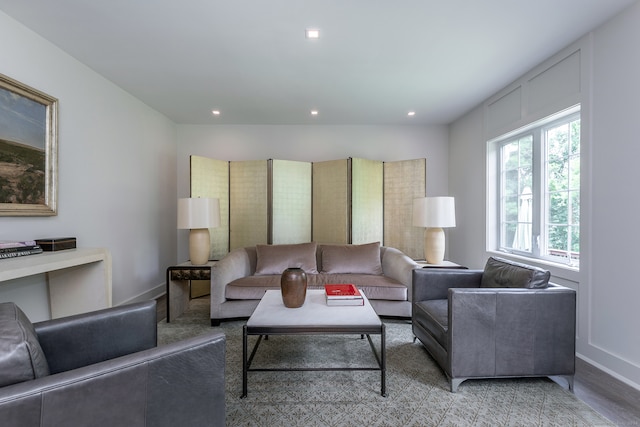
{"type": "Point", "coordinates": [504, 321]}
{"type": "Point", "coordinates": [104, 369]}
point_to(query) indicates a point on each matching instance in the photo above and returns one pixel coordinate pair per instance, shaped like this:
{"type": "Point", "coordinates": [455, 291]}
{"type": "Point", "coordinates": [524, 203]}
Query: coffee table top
{"type": "Point", "coordinates": [315, 316]}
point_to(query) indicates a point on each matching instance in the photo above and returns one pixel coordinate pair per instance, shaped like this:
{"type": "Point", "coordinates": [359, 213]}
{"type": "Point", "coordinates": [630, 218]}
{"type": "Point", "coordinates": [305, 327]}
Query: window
{"type": "Point", "coordinates": [539, 190]}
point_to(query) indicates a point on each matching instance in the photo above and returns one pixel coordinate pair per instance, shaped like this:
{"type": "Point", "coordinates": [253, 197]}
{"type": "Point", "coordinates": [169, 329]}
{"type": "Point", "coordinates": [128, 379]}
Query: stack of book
{"type": "Point", "coordinates": [16, 249]}
{"type": "Point", "coordinates": [343, 294]}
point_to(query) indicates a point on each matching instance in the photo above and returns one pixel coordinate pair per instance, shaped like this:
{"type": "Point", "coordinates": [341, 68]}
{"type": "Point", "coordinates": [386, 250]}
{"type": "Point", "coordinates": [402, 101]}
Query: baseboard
{"type": "Point", "coordinates": [608, 371]}
{"type": "Point", "coordinates": [154, 293]}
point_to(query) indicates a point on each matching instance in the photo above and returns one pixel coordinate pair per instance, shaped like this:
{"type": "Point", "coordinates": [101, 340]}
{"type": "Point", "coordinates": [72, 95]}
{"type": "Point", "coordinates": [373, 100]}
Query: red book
{"type": "Point", "coordinates": [342, 291]}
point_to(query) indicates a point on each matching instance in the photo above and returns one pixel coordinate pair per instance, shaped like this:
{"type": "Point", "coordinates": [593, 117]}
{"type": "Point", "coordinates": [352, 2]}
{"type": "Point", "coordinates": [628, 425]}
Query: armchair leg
{"type": "Point", "coordinates": [454, 383]}
{"type": "Point", "coordinates": [567, 378]}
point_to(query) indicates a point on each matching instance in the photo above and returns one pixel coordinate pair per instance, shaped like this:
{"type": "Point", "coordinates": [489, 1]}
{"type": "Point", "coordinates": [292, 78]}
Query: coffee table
{"type": "Point", "coordinates": [315, 317]}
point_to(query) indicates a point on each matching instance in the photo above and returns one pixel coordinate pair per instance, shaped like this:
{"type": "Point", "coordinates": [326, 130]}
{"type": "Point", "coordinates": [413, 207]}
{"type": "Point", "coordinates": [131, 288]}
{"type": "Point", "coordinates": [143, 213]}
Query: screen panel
{"type": "Point", "coordinates": [248, 207]}
{"type": "Point", "coordinates": [210, 178]}
{"type": "Point", "coordinates": [331, 201]}
{"type": "Point", "coordinates": [290, 202]}
{"type": "Point", "coordinates": [404, 181]}
{"type": "Point", "coordinates": [366, 201]}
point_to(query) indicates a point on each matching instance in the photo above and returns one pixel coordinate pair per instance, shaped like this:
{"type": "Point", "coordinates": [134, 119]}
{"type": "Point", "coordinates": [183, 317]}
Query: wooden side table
{"type": "Point", "coordinates": [179, 279]}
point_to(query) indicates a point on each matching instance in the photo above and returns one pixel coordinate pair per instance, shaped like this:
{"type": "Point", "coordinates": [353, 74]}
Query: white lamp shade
{"type": "Point", "coordinates": [198, 213]}
{"type": "Point", "coordinates": [434, 212]}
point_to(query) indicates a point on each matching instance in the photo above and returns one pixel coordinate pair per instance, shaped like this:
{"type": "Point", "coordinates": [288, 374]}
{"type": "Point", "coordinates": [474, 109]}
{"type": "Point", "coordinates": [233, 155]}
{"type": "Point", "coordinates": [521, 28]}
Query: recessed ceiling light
{"type": "Point", "coordinates": [312, 33]}
{"type": "Point", "coordinates": [411, 113]}
{"type": "Point", "coordinates": [215, 112]}
{"type": "Point", "coordinates": [314, 112]}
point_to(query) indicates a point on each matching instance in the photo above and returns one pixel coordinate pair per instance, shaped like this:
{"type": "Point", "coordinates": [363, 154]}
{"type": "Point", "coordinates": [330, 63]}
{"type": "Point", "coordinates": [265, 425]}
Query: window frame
{"type": "Point", "coordinates": [495, 230]}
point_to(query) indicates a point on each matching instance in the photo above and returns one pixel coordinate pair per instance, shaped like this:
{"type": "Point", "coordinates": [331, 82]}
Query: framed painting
{"type": "Point", "coordinates": [28, 150]}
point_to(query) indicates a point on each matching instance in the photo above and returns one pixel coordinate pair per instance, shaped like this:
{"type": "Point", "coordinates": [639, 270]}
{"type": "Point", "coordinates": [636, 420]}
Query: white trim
{"type": "Point", "coordinates": [153, 293]}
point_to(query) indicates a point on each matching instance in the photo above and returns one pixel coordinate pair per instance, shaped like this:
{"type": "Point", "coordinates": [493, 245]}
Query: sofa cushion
{"type": "Point", "coordinates": [502, 273]}
{"type": "Point", "coordinates": [21, 357]}
{"type": "Point", "coordinates": [274, 259]}
{"type": "Point", "coordinates": [433, 316]}
{"type": "Point", "coordinates": [354, 259]}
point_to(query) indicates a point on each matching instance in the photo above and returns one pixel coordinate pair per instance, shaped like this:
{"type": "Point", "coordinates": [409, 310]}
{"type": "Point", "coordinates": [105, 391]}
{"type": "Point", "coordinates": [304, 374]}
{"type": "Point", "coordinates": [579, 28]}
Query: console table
{"type": "Point", "coordinates": [179, 279]}
{"type": "Point", "coordinates": [78, 280]}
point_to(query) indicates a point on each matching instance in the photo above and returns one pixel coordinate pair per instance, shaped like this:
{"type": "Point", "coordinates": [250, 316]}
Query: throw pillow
{"type": "Point", "coordinates": [274, 259]}
{"type": "Point", "coordinates": [354, 259]}
{"type": "Point", "coordinates": [21, 357]}
{"type": "Point", "coordinates": [502, 273]}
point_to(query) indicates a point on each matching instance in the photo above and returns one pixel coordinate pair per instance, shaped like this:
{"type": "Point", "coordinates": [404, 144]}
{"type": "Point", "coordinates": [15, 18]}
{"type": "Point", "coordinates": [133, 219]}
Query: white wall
{"type": "Point", "coordinates": [313, 143]}
{"type": "Point", "coordinates": [117, 172]}
{"type": "Point", "coordinates": [607, 289]}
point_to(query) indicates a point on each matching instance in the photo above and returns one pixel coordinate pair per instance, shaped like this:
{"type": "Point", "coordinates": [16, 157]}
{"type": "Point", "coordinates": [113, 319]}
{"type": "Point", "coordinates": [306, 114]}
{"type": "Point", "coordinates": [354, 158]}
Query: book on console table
{"type": "Point", "coordinates": [14, 245]}
{"type": "Point", "coordinates": [343, 294]}
{"type": "Point", "coordinates": [22, 251]}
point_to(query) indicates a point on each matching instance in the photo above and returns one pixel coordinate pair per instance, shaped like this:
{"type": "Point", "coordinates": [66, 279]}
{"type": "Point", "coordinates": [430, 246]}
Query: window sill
{"type": "Point", "coordinates": [560, 271]}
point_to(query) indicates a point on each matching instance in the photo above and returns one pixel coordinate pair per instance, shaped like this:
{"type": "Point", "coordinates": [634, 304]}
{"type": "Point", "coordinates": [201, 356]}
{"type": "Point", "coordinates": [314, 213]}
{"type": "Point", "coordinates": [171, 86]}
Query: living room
{"type": "Point", "coordinates": [122, 165]}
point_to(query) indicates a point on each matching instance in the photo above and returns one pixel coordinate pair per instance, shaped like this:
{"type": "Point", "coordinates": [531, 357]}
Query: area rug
{"type": "Point", "coordinates": [417, 390]}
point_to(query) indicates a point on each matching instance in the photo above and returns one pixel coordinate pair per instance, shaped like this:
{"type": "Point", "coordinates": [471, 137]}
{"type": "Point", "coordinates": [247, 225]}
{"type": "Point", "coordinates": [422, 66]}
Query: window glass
{"type": "Point", "coordinates": [539, 190]}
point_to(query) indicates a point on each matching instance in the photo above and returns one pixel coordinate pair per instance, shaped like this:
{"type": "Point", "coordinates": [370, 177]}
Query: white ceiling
{"type": "Point", "coordinates": [375, 59]}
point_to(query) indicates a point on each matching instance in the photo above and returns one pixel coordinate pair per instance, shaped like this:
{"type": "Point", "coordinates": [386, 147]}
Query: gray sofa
{"type": "Point", "coordinates": [104, 369]}
{"type": "Point", "coordinates": [504, 321]}
{"type": "Point", "coordinates": [241, 278]}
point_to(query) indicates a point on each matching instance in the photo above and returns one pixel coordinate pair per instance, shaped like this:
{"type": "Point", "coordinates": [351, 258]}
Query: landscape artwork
{"type": "Point", "coordinates": [27, 150]}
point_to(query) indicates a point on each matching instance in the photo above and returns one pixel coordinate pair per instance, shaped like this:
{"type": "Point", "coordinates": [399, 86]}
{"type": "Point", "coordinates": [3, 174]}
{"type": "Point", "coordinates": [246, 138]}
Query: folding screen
{"type": "Point", "coordinates": [339, 201]}
{"type": "Point", "coordinates": [331, 201]}
{"type": "Point", "coordinates": [367, 200]}
{"type": "Point", "coordinates": [248, 205]}
{"type": "Point", "coordinates": [210, 178]}
{"type": "Point", "coordinates": [290, 198]}
{"type": "Point", "coordinates": [403, 181]}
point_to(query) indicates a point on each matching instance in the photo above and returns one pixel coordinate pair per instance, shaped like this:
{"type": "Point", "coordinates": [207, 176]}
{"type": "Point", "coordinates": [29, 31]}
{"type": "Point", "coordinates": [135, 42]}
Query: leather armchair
{"type": "Point", "coordinates": [504, 321]}
{"type": "Point", "coordinates": [105, 370]}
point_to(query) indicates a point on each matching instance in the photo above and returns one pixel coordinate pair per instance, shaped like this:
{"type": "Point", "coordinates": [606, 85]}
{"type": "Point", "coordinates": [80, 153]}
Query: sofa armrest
{"type": "Point", "coordinates": [235, 265]}
{"type": "Point", "coordinates": [434, 283]}
{"type": "Point", "coordinates": [512, 332]}
{"type": "Point", "coordinates": [398, 266]}
{"type": "Point", "coordinates": [176, 384]}
{"type": "Point", "coordinates": [88, 338]}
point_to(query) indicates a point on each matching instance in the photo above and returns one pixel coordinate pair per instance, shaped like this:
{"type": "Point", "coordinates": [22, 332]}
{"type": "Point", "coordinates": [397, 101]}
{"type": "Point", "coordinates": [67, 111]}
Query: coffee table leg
{"type": "Point", "coordinates": [383, 357]}
{"type": "Point", "coordinates": [244, 362]}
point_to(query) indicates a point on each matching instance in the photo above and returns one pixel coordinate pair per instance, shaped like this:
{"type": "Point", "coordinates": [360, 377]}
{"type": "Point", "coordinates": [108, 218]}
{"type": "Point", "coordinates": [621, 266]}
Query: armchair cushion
{"type": "Point", "coordinates": [500, 273]}
{"type": "Point", "coordinates": [352, 259]}
{"type": "Point", "coordinates": [21, 357]}
{"type": "Point", "coordinates": [274, 259]}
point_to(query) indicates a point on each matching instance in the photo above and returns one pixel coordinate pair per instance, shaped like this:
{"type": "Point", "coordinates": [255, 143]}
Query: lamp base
{"type": "Point", "coordinates": [434, 245]}
{"type": "Point", "coordinates": [199, 246]}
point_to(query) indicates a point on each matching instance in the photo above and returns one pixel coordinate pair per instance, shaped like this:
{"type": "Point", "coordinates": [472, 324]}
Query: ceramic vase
{"type": "Point", "coordinates": [293, 283]}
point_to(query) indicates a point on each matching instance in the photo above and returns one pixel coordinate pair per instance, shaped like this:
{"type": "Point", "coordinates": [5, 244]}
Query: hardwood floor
{"type": "Point", "coordinates": [612, 398]}
{"type": "Point", "coordinates": [617, 401]}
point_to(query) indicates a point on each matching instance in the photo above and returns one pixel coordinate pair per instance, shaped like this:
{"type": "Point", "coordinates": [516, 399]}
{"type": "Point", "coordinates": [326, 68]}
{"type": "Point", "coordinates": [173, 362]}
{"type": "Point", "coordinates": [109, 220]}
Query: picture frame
{"type": "Point", "coordinates": [28, 150]}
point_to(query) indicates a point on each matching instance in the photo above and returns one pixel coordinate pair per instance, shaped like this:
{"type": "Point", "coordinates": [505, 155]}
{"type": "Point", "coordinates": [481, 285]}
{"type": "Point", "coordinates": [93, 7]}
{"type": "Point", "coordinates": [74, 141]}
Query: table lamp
{"type": "Point", "coordinates": [198, 215]}
{"type": "Point", "coordinates": [434, 213]}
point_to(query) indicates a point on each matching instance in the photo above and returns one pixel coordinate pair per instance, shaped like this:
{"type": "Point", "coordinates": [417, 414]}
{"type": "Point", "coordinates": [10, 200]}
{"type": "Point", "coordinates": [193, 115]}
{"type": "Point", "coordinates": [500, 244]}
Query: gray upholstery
{"type": "Point", "coordinates": [106, 371]}
{"type": "Point", "coordinates": [21, 356]}
{"type": "Point", "coordinates": [236, 289]}
{"type": "Point", "coordinates": [480, 332]}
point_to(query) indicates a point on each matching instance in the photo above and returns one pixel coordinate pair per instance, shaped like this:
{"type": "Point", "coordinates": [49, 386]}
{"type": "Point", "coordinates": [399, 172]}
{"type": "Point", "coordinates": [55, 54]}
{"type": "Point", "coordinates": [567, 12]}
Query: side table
{"type": "Point", "coordinates": [444, 264]}
{"type": "Point", "coordinates": [179, 279]}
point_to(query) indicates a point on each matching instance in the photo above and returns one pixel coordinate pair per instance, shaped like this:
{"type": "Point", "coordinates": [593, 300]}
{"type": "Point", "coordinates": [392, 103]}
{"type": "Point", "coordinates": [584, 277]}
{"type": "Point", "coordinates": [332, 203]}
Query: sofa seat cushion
{"type": "Point", "coordinates": [433, 315]}
{"type": "Point", "coordinates": [21, 357]}
{"type": "Point", "coordinates": [374, 287]}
